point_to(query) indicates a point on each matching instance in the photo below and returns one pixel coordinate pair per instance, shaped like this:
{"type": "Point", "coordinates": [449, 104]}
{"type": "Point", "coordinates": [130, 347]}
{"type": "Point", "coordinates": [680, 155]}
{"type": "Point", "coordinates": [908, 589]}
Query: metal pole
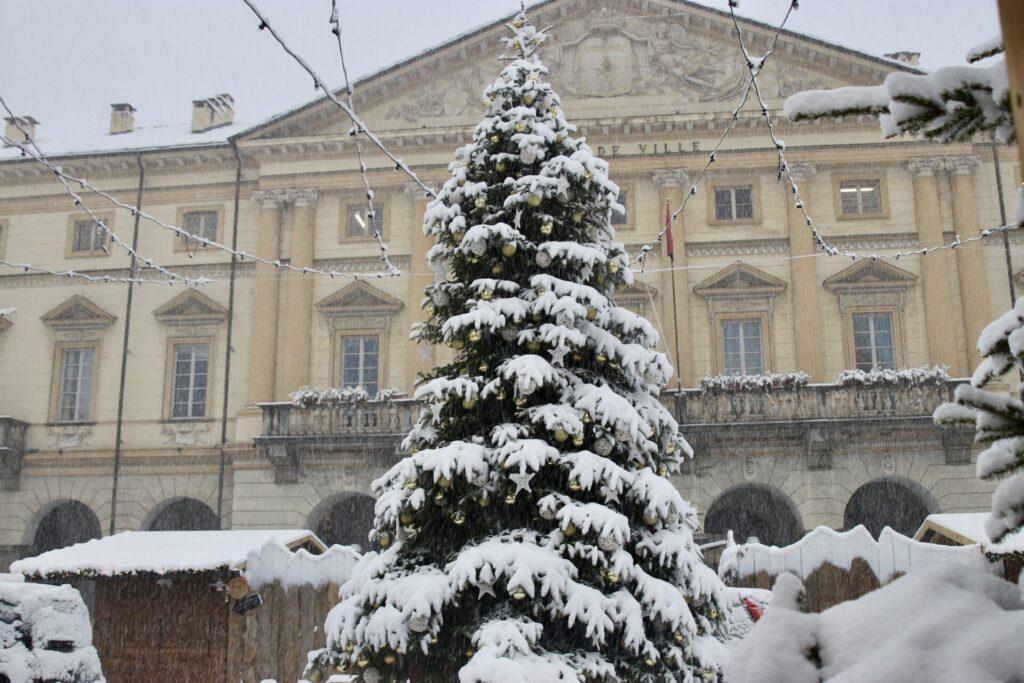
{"type": "Point", "coordinates": [227, 351]}
{"type": "Point", "coordinates": [124, 350]}
{"type": "Point", "coordinates": [1002, 220]}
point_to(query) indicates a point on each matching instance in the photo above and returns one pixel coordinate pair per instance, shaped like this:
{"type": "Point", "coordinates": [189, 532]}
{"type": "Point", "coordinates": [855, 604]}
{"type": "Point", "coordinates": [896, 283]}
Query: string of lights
{"type": "Point", "coordinates": [31, 149]}
{"type": "Point", "coordinates": [29, 268]}
{"type": "Point", "coordinates": [371, 213]}
{"type": "Point", "coordinates": [713, 155]}
{"type": "Point", "coordinates": [784, 174]}
{"type": "Point", "coordinates": [318, 83]}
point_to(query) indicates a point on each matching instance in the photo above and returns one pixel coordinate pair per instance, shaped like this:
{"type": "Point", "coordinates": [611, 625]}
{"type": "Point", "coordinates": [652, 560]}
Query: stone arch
{"type": "Point", "coordinates": [63, 523]}
{"type": "Point", "coordinates": [755, 510]}
{"type": "Point", "coordinates": [895, 502]}
{"type": "Point", "coordinates": [181, 514]}
{"type": "Point", "coordinates": [343, 519]}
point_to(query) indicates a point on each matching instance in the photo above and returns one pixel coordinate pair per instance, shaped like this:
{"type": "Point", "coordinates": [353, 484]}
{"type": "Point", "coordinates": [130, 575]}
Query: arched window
{"type": "Point", "coordinates": [65, 524]}
{"type": "Point", "coordinates": [344, 519]}
{"type": "Point", "coordinates": [184, 514]}
{"type": "Point", "coordinates": [755, 510]}
{"type": "Point", "coordinates": [893, 501]}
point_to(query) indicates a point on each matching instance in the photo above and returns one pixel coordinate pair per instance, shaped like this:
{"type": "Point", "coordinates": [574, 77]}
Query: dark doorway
{"type": "Point", "coordinates": [754, 510]}
{"type": "Point", "coordinates": [898, 503]}
{"type": "Point", "coordinates": [185, 514]}
{"type": "Point", "coordinates": [344, 520]}
{"type": "Point", "coordinates": [66, 524]}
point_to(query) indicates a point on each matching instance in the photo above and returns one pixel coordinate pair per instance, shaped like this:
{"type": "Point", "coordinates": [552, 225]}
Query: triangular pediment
{"type": "Point", "coordinates": [191, 308]}
{"type": "Point", "coordinates": [870, 274]}
{"type": "Point", "coordinates": [659, 57]}
{"type": "Point", "coordinates": [638, 293]}
{"type": "Point", "coordinates": [77, 313]}
{"type": "Point", "coordinates": [359, 298]}
{"type": "Point", "coordinates": [740, 281]}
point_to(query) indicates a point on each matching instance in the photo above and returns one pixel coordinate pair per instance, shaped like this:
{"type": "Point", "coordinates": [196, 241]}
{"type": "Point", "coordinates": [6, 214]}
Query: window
{"type": "Point", "coordinates": [359, 223]}
{"type": "Point", "coordinates": [621, 217]}
{"type": "Point", "coordinates": [360, 358]}
{"type": "Point", "coordinates": [200, 223]}
{"type": "Point", "coordinates": [859, 197]}
{"type": "Point", "coordinates": [75, 384]}
{"type": "Point", "coordinates": [734, 203]}
{"type": "Point", "coordinates": [873, 341]}
{"type": "Point", "coordinates": [741, 347]}
{"type": "Point", "coordinates": [190, 380]}
{"type": "Point", "coordinates": [88, 237]}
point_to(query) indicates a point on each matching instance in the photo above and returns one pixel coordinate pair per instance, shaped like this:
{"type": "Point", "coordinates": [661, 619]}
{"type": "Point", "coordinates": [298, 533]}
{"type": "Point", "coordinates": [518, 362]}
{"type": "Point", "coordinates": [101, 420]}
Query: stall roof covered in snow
{"type": "Point", "coordinates": [967, 528]}
{"type": "Point", "coordinates": [161, 552]}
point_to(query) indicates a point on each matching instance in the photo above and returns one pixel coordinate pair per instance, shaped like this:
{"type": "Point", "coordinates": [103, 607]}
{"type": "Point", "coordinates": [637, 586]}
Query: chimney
{"type": "Point", "coordinates": [904, 57]}
{"type": "Point", "coordinates": [212, 112]}
{"type": "Point", "coordinates": [17, 124]}
{"type": "Point", "coordinates": [122, 118]}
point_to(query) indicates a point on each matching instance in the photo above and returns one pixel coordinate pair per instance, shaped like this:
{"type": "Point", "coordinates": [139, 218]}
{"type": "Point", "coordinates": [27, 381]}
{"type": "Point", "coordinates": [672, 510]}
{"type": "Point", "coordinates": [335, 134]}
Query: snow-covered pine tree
{"type": "Point", "coordinates": [533, 534]}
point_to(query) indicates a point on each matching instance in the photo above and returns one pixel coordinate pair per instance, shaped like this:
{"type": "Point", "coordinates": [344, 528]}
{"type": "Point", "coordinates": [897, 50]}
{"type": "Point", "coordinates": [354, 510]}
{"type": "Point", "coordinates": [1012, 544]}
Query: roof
{"type": "Point", "coordinates": [967, 528]}
{"type": "Point", "coordinates": [160, 552]}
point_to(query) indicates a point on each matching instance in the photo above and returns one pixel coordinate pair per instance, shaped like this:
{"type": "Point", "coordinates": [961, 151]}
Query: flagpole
{"type": "Point", "coordinates": [675, 309]}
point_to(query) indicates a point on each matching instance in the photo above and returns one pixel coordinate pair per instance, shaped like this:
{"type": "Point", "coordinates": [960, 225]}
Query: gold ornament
{"type": "Point", "coordinates": [458, 518]}
{"type": "Point", "coordinates": [533, 200]}
{"type": "Point", "coordinates": [406, 517]}
{"type": "Point", "coordinates": [350, 647]}
{"type": "Point", "coordinates": [508, 249]}
{"type": "Point", "coordinates": [662, 471]}
{"type": "Point", "coordinates": [384, 540]}
{"type": "Point", "coordinates": [390, 658]}
{"type": "Point", "coordinates": [577, 216]}
{"type": "Point", "coordinates": [433, 639]}
{"type": "Point", "coordinates": [533, 346]}
{"type": "Point", "coordinates": [577, 357]}
{"type": "Point", "coordinates": [577, 440]}
{"type": "Point", "coordinates": [500, 395]}
{"type": "Point", "coordinates": [678, 636]}
{"type": "Point", "coordinates": [474, 335]}
{"type": "Point", "coordinates": [611, 577]}
{"type": "Point", "coordinates": [484, 501]}
{"type": "Point", "coordinates": [575, 485]}
{"type": "Point", "coordinates": [546, 229]}
{"type": "Point", "coordinates": [457, 237]}
{"type": "Point", "coordinates": [315, 676]}
{"type": "Point", "coordinates": [439, 497]}
{"type": "Point", "coordinates": [591, 313]}
{"type": "Point", "coordinates": [671, 447]}
{"type": "Point", "coordinates": [558, 138]}
{"type": "Point", "coordinates": [587, 419]}
{"type": "Point", "coordinates": [712, 614]}
{"type": "Point", "coordinates": [520, 401]}
{"type": "Point", "coordinates": [500, 167]}
{"type": "Point", "coordinates": [469, 652]}
{"type": "Point", "coordinates": [495, 139]}
{"type": "Point", "coordinates": [411, 484]}
{"type": "Point", "coordinates": [569, 531]}
{"type": "Point", "coordinates": [510, 499]}
{"type": "Point", "coordinates": [444, 482]}
{"type": "Point", "coordinates": [497, 269]}
{"type": "Point", "coordinates": [469, 403]}
{"type": "Point", "coordinates": [708, 674]}
{"type": "Point", "coordinates": [649, 661]}
{"type": "Point", "coordinates": [561, 436]}
{"type": "Point", "coordinates": [461, 182]}
{"type": "Point", "coordinates": [458, 344]}
{"type": "Point", "coordinates": [431, 310]}
{"type": "Point", "coordinates": [601, 358]}
{"type": "Point", "coordinates": [518, 23]}
{"type": "Point", "coordinates": [528, 99]}
{"type": "Point", "coordinates": [599, 279]}
{"type": "Point", "coordinates": [480, 202]}
{"type": "Point", "coordinates": [613, 266]}
{"type": "Point", "coordinates": [363, 661]}
{"type": "Point", "coordinates": [483, 368]}
{"type": "Point", "coordinates": [519, 594]}
{"type": "Point", "coordinates": [536, 316]}
{"type": "Point", "coordinates": [650, 520]}
{"type": "Point", "coordinates": [486, 295]}
{"type": "Point", "coordinates": [520, 127]}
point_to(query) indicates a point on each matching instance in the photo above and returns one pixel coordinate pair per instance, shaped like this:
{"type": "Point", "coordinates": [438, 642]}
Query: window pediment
{"type": "Point", "coordinates": [870, 276]}
{"type": "Point", "coordinates": [191, 308]}
{"type": "Point", "coordinates": [77, 313]}
{"type": "Point", "coordinates": [740, 281]}
{"type": "Point", "coordinates": [359, 300]}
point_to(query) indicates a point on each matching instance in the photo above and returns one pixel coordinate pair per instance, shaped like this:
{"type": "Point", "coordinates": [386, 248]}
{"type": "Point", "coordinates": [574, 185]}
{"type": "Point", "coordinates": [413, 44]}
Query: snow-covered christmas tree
{"type": "Point", "coordinates": [533, 534]}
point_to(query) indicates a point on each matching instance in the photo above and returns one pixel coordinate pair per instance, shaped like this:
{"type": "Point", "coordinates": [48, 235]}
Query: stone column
{"type": "Point", "coordinates": [938, 304]}
{"type": "Point", "coordinates": [419, 276]}
{"type": "Point", "coordinates": [672, 182]}
{"type": "Point", "coordinates": [263, 345]}
{"type": "Point", "coordinates": [299, 309]}
{"type": "Point", "coordinates": [803, 274]}
{"type": "Point", "coordinates": [970, 260]}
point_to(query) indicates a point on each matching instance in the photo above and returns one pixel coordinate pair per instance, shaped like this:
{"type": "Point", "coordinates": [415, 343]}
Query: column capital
{"type": "Point", "coordinates": [670, 177]}
{"type": "Point", "coordinates": [270, 199]}
{"type": "Point", "coordinates": [963, 165]}
{"type": "Point", "coordinates": [925, 166]}
{"type": "Point", "coordinates": [802, 170]}
{"type": "Point", "coordinates": [303, 197]}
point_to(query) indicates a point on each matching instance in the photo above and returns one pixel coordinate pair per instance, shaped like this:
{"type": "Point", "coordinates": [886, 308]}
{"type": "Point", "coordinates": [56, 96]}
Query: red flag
{"type": "Point", "coordinates": [753, 609]}
{"type": "Point", "coordinates": [669, 247]}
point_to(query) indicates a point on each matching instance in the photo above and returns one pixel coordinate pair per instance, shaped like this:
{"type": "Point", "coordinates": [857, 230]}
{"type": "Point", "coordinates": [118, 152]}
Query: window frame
{"type": "Point", "coordinates": [73, 221]}
{"type": "Point", "coordinates": [57, 381]}
{"type": "Point", "coordinates": [629, 222]}
{"type": "Point", "coordinates": [896, 322]}
{"type": "Point", "coordinates": [732, 183]}
{"type": "Point", "coordinates": [341, 336]}
{"type": "Point", "coordinates": [359, 205]}
{"type": "Point", "coordinates": [169, 376]}
{"type": "Point", "coordinates": [763, 317]}
{"type": "Point", "coordinates": [877, 175]}
{"type": "Point", "coordinates": [741, 323]}
{"type": "Point", "coordinates": [183, 243]}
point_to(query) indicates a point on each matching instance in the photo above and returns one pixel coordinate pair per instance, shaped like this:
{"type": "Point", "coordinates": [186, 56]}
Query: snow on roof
{"type": "Point", "coordinates": [969, 527]}
{"type": "Point", "coordinates": [159, 552]}
{"type": "Point", "coordinates": [142, 138]}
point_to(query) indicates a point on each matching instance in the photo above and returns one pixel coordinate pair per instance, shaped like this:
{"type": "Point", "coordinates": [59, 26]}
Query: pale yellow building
{"type": "Point", "coordinates": [651, 84]}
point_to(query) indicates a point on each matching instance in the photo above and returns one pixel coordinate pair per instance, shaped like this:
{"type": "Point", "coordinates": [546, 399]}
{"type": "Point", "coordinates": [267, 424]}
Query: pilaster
{"type": "Point", "coordinates": [970, 260]}
{"type": "Point", "coordinates": [671, 185]}
{"type": "Point", "coordinates": [298, 335]}
{"type": "Point", "coordinates": [810, 348]}
{"type": "Point", "coordinates": [263, 345]}
{"type": "Point", "coordinates": [421, 359]}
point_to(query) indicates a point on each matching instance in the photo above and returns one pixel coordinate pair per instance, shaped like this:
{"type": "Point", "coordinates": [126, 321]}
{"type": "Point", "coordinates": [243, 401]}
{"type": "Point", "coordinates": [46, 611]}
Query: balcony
{"type": "Point", "coordinates": [12, 452]}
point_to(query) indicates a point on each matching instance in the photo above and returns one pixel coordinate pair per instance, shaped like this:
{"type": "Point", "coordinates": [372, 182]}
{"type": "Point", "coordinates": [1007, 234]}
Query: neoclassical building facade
{"type": "Point", "coordinates": [170, 407]}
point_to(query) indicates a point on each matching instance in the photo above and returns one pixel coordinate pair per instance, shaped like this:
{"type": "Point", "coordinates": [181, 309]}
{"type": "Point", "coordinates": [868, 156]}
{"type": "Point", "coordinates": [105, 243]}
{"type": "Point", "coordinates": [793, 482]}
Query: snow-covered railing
{"type": "Point", "coordinates": [813, 402]}
{"type": "Point", "coordinates": [362, 417]}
